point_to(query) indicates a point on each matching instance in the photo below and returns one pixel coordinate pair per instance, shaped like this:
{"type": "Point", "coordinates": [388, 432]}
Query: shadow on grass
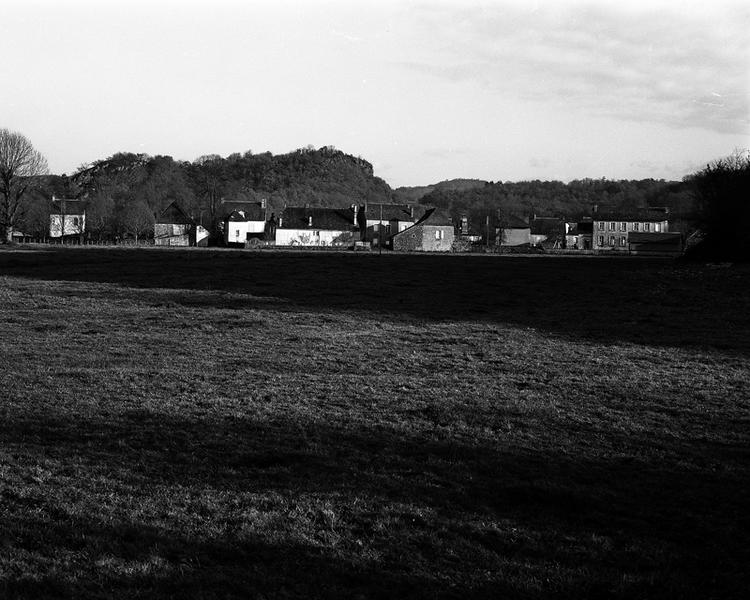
{"type": "Point", "coordinates": [674, 528]}
{"type": "Point", "coordinates": [608, 300]}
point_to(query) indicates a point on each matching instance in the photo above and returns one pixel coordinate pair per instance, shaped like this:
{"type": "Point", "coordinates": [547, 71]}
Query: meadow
{"type": "Point", "coordinates": [235, 424]}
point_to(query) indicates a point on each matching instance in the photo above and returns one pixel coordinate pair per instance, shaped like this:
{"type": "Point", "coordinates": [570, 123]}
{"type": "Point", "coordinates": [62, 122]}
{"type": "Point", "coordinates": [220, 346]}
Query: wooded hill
{"type": "Point", "coordinates": [127, 187]}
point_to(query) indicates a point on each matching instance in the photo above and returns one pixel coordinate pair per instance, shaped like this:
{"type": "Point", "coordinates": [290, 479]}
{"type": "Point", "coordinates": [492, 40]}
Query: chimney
{"type": "Point", "coordinates": [595, 208]}
{"type": "Point", "coordinates": [354, 210]}
{"type": "Point", "coordinates": [309, 221]}
{"type": "Point", "coordinates": [411, 211]}
{"type": "Point", "coordinates": [263, 203]}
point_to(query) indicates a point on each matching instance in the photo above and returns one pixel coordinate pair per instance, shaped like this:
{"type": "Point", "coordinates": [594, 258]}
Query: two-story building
{"type": "Point", "coordinates": [242, 221]}
{"type": "Point", "coordinates": [434, 232]}
{"type": "Point", "coordinates": [610, 230]}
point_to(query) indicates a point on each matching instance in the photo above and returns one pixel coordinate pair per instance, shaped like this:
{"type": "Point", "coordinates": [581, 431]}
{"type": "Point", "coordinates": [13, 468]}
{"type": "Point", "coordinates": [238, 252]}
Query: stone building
{"type": "Point", "coordinates": [434, 232]}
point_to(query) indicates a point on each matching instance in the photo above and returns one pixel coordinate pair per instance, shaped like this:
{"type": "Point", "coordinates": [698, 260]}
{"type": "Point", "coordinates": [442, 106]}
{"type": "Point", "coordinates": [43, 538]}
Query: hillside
{"type": "Point", "coordinates": [410, 194]}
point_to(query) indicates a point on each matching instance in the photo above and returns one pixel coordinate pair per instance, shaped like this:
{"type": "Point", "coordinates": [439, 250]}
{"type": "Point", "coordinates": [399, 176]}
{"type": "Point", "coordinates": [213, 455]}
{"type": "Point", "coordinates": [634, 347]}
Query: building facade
{"type": "Point", "coordinates": [434, 232]}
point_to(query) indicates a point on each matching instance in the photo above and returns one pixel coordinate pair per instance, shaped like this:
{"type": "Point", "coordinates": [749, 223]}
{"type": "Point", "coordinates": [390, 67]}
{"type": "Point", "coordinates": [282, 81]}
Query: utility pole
{"type": "Point", "coordinates": [380, 232]}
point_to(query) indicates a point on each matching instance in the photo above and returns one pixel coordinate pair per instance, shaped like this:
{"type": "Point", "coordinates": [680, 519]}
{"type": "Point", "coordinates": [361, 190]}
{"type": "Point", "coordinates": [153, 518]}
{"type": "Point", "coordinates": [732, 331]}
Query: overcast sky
{"type": "Point", "coordinates": [425, 91]}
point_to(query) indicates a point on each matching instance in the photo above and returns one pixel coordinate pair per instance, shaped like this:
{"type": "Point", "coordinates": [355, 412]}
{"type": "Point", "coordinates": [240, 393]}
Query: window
{"type": "Point", "coordinates": [623, 226]}
{"type": "Point", "coordinates": [646, 226]}
{"type": "Point", "coordinates": [601, 225]}
{"type": "Point", "coordinates": [636, 226]}
{"type": "Point", "coordinates": [75, 221]}
{"type": "Point", "coordinates": [611, 240]}
{"type": "Point", "coordinates": [438, 234]}
{"type": "Point", "coordinates": [611, 226]}
{"type": "Point", "coordinates": [601, 240]}
{"type": "Point", "coordinates": [657, 226]}
{"type": "Point", "coordinates": [622, 240]}
{"type": "Point", "coordinates": [237, 234]}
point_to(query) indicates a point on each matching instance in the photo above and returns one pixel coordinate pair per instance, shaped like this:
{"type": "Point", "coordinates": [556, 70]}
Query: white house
{"type": "Point", "coordinates": [243, 221]}
{"type": "Point", "coordinates": [313, 226]}
{"type": "Point", "coordinates": [67, 217]}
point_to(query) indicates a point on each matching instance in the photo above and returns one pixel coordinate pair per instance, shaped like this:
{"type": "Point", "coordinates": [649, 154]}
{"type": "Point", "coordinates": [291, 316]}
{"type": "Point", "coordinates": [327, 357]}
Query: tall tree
{"type": "Point", "coordinates": [19, 163]}
{"type": "Point", "coordinates": [722, 190]}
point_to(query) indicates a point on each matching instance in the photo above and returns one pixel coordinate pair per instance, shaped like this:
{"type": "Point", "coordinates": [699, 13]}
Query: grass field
{"type": "Point", "coordinates": [208, 424]}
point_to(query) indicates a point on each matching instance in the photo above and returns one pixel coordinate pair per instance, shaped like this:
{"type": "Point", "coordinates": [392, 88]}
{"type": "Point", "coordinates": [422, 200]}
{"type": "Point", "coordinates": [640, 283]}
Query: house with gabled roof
{"type": "Point", "coordinates": [611, 230]}
{"type": "Point", "coordinates": [67, 217]}
{"type": "Point", "coordinates": [174, 227]}
{"type": "Point", "coordinates": [242, 221]}
{"type": "Point", "coordinates": [317, 227]}
{"type": "Point", "coordinates": [434, 232]}
{"type": "Point", "coordinates": [512, 230]}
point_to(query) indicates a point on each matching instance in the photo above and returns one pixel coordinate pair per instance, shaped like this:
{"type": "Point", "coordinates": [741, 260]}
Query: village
{"type": "Point", "coordinates": [390, 227]}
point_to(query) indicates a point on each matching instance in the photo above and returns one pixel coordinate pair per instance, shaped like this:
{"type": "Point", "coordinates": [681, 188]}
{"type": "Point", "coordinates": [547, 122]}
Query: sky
{"type": "Point", "coordinates": [425, 91]}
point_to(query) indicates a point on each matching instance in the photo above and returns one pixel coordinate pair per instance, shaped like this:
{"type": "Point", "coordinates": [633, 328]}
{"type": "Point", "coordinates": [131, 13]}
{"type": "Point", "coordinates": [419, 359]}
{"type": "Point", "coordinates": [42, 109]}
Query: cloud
{"type": "Point", "coordinates": [684, 68]}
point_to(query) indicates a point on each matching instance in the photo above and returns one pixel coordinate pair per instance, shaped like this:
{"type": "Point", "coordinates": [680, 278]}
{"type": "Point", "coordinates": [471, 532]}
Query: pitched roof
{"type": "Point", "coordinates": [433, 216]}
{"type": "Point", "coordinates": [303, 217]}
{"type": "Point", "coordinates": [237, 210]}
{"type": "Point", "coordinates": [390, 212]}
{"type": "Point", "coordinates": [546, 226]}
{"type": "Point", "coordinates": [173, 214]}
{"type": "Point", "coordinates": [513, 222]}
{"type": "Point", "coordinates": [653, 215]}
{"type": "Point", "coordinates": [68, 205]}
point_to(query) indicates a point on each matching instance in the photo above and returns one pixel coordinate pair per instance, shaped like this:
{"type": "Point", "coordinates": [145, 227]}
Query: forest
{"type": "Point", "coordinates": [125, 192]}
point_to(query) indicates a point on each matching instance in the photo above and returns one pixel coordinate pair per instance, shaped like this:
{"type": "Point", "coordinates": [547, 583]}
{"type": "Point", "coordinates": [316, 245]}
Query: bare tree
{"type": "Point", "coordinates": [137, 220]}
{"type": "Point", "coordinates": [19, 162]}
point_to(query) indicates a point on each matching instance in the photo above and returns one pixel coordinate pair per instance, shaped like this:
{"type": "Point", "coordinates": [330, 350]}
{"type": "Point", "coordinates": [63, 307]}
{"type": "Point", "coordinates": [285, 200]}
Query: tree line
{"type": "Point", "coordinates": [126, 191]}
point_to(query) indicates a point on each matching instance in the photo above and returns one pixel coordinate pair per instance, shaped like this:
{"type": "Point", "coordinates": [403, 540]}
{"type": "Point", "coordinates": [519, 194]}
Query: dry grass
{"type": "Point", "coordinates": [215, 424]}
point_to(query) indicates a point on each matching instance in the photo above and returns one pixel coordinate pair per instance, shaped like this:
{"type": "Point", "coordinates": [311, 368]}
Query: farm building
{"type": "Point", "coordinates": [392, 217]}
{"type": "Point", "coordinates": [434, 232]}
{"type": "Point", "coordinates": [173, 227]}
{"type": "Point", "coordinates": [67, 218]}
{"type": "Point", "coordinates": [611, 231]}
{"type": "Point", "coordinates": [242, 221]}
{"type": "Point", "coordinates": [512, 231]}
{"type": "Point", "coordinates": [314, 226]}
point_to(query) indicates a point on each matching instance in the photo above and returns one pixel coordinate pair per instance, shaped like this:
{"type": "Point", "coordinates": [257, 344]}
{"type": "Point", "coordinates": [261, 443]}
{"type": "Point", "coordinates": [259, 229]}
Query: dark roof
{"type": "Point", "coordinates": [652, 215]}
{"type": "Point", "coordinates": [433, 216]}
{"type": "Point", "coordinates": [513, 222]}
{"type": "Point", "coordinates": [332, 219]}
{"type": "Point", "coordinates": [173, 214]}
{"type": "Point", "coordinates": [400, 212]}
{"type": "Point", "coordinates": [641, 237]}
{"type": "Point", "coordinates": [237, 210]}
{"type": "Point", "coordinates": [69, 205]}
{"type": "Point", "coordinates": [547, 226]}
